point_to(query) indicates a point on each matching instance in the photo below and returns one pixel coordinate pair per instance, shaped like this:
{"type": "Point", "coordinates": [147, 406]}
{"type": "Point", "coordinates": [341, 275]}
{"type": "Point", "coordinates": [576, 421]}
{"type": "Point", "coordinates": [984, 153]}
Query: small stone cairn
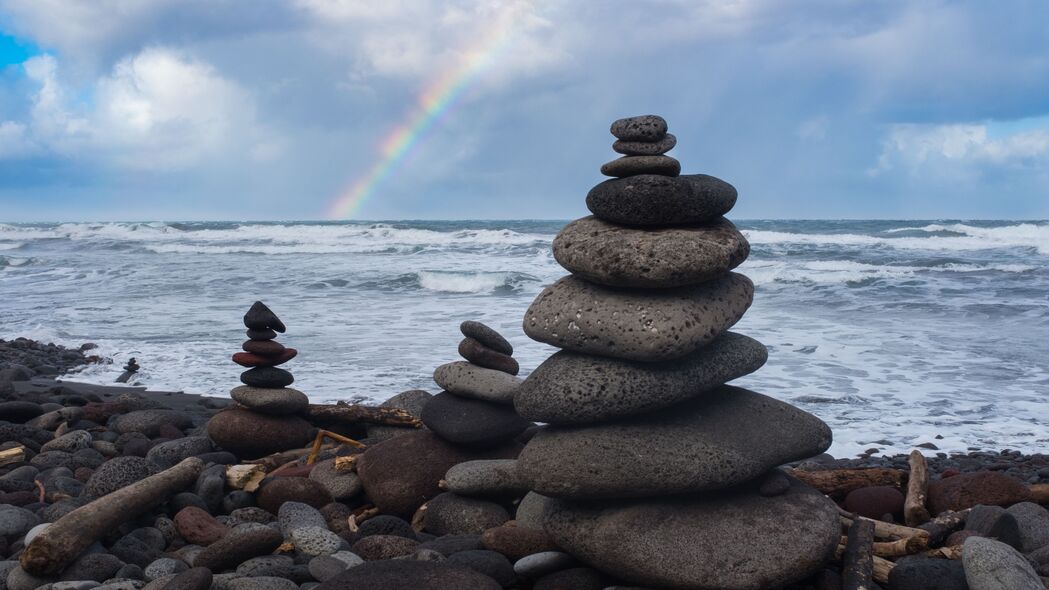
{"type": "Point", "coordinates": [651, 468]}
{"type": "Point", "coordinates": [267, 418]}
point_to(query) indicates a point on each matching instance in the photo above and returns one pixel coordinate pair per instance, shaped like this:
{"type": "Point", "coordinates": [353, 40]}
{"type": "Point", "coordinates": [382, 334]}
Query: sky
{"type": "Point", "coordinates": [500, 109]}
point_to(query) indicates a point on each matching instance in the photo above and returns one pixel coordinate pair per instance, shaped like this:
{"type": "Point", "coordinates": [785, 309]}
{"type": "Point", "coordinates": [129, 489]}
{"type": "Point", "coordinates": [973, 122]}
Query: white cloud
{"type": "Point", "coordinates": [919, 147]}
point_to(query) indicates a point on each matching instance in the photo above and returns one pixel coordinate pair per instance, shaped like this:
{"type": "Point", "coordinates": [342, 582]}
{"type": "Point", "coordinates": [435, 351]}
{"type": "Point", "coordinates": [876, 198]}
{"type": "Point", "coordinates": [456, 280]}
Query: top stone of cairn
{"type": "Point", "coordinates": [259, 317]}
{"type": "Point", "coordinates": [641, 128]}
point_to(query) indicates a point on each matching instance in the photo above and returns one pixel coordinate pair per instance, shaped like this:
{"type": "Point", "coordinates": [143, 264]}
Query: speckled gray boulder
{"type": "Point", "coordinates": [411, 401]}
{"type": "Point", "coordinates": [407, 573]}
{"type": "Point", "coordinates": [314, 540]}
{"type": "Point", "coordinates": [341, 485]}
{"type": "Point", "coordinates": [653, 199]}
{"type": "Point", "coordinates": [163, 567]}
{"type": "Point", "coordinates": [167, 454]}
{"type": "Point", "coordinates": [280, 401]}
{"type": "Point", "coordinates": [98, 567]}
{"type": "Point", "coordinates": [993, 565]}
{"type": "Point", "coordinates": [645, 148]}
{"type": "Point", "coordinates": [261, 583]}
{"type": "Point", "coordinates": [69, 442]}
{"type": "Point", "coordinates": [639, 128]}
{"type": "Point", "coordinates": [296, 515]}
{"type": "Point", "coordinates": [634, 165]}
{"type": "Point", "coordinates": [1032, 525]}
{"type": "Point", "coordinates": [695, 541]}
{"type": "Point", "coordinates": [573, 388]}
{"type": "Point", "coordinates": [148, 422]}
{"type": "Point", "coordinates": [15, 521]}
{"type": "Point", "coordinates": [727, 437]}
{"type": "Point", "coordinates": [485, 477]}
{"type": "Point", "coordinates": [267, 565]}
{"type": "Point", "coordinates": [469, 380]}
{"type": "Point", "coordinates": [618, 256]}
{"type": "Point", "coordinates": [530, 510]}
{"type": "Point", "coordinates": [451, 514]}
{"type": "Point", "coordinates": [647, 325]}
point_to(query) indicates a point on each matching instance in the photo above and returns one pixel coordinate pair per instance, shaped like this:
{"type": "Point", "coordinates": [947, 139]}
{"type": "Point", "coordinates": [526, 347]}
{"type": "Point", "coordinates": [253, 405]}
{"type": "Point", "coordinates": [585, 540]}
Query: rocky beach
{"type": "Point", "coordinates": [625, 460]}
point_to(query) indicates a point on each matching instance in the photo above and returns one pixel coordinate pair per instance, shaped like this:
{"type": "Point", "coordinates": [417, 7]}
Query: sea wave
{"type": "Point", "coordinates": [11, 246]}
{"type": "Point", "coordinates": [1031, 236]}
{"type": "Point", "coordinates": [848, 271]}
{"type": "Point", "coordinates": [471, 282]}
{"type": "Point", "coordinates": [13, 262]}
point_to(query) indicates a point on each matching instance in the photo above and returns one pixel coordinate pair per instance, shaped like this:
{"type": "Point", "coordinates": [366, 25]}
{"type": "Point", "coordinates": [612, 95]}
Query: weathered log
{"type": "Point", "coordinates": [914, 510]}
{"type": "Point", "coordinates": [885, 530]}
{"type": "Point", "coordinates": [345, 413]}
{"type": "Point", "coordinates": [1039, 492]}
{"type": "Point", "coordinates": [857, 567]}
{"type": "Point", "coordinates": [9, 456]}
{"type": "Point", "coordinates": [882, 567]}
{"type": "Point", "coordinates": [59, 544]}
{"type": "Point", "coordinates": [943, 525]}
{"type": "Point", "coordinates": [839, 482]}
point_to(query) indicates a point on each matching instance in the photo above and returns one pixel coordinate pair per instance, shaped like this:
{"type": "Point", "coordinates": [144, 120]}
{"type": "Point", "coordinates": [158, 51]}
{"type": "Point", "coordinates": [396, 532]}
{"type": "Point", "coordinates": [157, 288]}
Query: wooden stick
{"type": "Point", "coordinates": [40, 486]}
{"type": "Point", "coordinates": [839, 482]}
{"type": "Point", "coordinates": [59, 544]}
{"type": "Point", "coordinates": [897, 548]}
{"type": "Point", "coordinates": [9, 456]}
{"type": "Point", "coordinates": [944, 524]}
{"type": "Point", "coordinates": [914, 510]}
{"type": "Point", "coordinates": [353, 414]}
{"type": "Point", "coordinates": [857, 567]}
{"type": "Point", "coordinates": [270, 462]}
{"type": "Point", "coordinates": [885, 530]}
{"type": "Point", "coordinates": [321, 435]}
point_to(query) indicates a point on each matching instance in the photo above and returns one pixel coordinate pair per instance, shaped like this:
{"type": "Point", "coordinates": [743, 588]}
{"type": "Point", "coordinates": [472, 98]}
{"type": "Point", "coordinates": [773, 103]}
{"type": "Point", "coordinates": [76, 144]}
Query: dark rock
{"type": "Point", "coordinates": [492, 477]}
{"type": "Point", "coordinates": [652, 199]}
{"type": "Point", "coordinates": [259, 317]}
{"type": "Point", "coordinates": [640, 128]}
{"type": "Point", "coordinates": [517, 542]}
{"type": "Point", "coordinates": [277, 491]}
{"type": "Point", "coordinates": [774, 483]}
{"type": "Point", "coordinates": [251, 435]}
{"type": "Point", "coordinates": [261, 335]}
{"type": "Point", "coordinates": [479, 354]}
{"type": "Point", "coordinates": [267, 377]}
{"type": "Point", "coordinates": [489, 563]}
{"type": "Point", "coordinates": [19, 412]}
{"type": "Point", "coordinates": [875, 501]}
{"type": "Point", "coordinates": [451, 514]}
{"type": "Point", "coordinates": [417, 575]}
{"type": "Point", "coordinates": [471, 422]}
{"type": "Point", "coordinates": [341, 485]}
{"type": "Point", "coordinates": [969, 489]}
{"type": "Point", "coordinates": [172, 452]}
{"type": "Point", "coordinates": [486, 336]}
{"type": "Point", "coordinates": [184, 500]}
{"type": "Point", "coordinates": [1033, 521]}
{"type": "Point", "coordinates": [150, 422]}
{"type": "Point", "coordinates": [376, 547]}
{"type": "Point", "coordinates": [635, 165]}
{"type": "Point", "coordinates": [411, 401]}
{"type": "Point", "coordinates": [118, 473]}
{"type": "Point", "coordinates": [451, 544]}
{"type": "Point", "coordinates": [384, 524]}
{"type": "Point", "coordinates": [538, 565]}
{"type": "Point", "coordinates": [578, 578]}
{"type": "Point", "coordinates": [469, 380]}
{"type": "Point", "coordinates": [240, 544]}
{"type": "Point", "coordinates": [982, 519]}
{"type": "Point", "coordinates": [198, 578]}
{"type": "Point", "coordinates": [991, 565]}
{"type": "Point", "coordinates": [199, 527]}
{"type": "Point", "coordinates": [645, 148]}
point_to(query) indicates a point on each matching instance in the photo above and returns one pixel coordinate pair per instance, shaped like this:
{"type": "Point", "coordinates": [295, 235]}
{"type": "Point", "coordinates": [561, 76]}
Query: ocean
{"type": "Point", "coordinates": [894, 332]}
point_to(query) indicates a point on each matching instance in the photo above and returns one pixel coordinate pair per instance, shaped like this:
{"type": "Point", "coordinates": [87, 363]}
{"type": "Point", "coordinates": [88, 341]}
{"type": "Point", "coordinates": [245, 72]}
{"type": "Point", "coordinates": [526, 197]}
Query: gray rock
{"type": "Point", "coordinates": [1033, 525]}
{"type": "Point", "coordinates": [634, 165]}
{"type": "Point", "coordinates": [573, 388]}
{"type": "Point", "coordinates": [645, 148]}
{"type": "Point", "coordinates": [341, 485]}
{"type": "Point", "coordinates": [116, 584]}
{"type": "Point", "coordinates": [411, 401]}
{"type": "Point", "coordinates": [489, 563]}
{"type": "Point", "coordinates": [538, 565]}
{"type": "Point", "coordinates": [326, 567]}
{"type": "Point", "coordinates": [618, 256]}
{"type": "Point", "coordinates": [469, 380]}
{"type": "Point", "coordinates": [314, 540]}
{"type": "Point", "coordinates": [928, 574]}
{"type": "Point", "coordinates": [267, 565]}
{"type": "Point", "coordinates": [451, 514]}
{"type": "Point", "coordinates": [296, 515]}
{"type": "Point", "coordinates": [485, 477]}
{"type": "Point", "coordinates": [727, 437]}
{"type": "Point", "coordinates": [271, 401]}
{"type": "Point", "coordinates": [69, 442]}
{"type": "Point", "coordinates": [242, 543]}
{"type": "Point", "coordinates": [467, 421]}
{"type": "Point", "coordinates": [530, 511]}
{"type": "Point", "coordinates": [148, 422]}
{"type": "Point", "coordinates": [982, 518]}
{"type": "Point", "coordinates": [197, 578]}
{"type": "Point", "coordinates": [165, 566]}
{"type": "Point", "coordinates": [647, 326]}
{"type": "Point", "coordinates": [74, 585]}
{"type": "Point", "coordinates": [97, 567]}
{"type": "Point", "coordinates": [653, 199]}
{"type": "Point", "coordinates": [404, 574]}
{"type": "Point", "coordinates": [992, 565]}
{"type": "Point", "coordinates": [261, 583]}
{"type": "Point", "coordinates": [167, 454]}
{"type": "Point", "coordinates": [640, 128]}
{"type": "Point", "coordinates": [735, 540]}
{"type": "Point", "coordinates": [16, 521]}
{"type": "Point", "coordinates": [486, 336]}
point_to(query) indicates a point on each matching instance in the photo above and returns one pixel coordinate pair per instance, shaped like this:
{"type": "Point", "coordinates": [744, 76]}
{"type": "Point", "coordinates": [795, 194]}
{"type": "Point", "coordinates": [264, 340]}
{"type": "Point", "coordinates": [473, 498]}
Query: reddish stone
{"type": "Point", "coordinates": [875, 501]}
{"type": "Point", "coordinates": [517, 542]}
{"type": "Point", "coordinates": [198, 527]}
{"type": "Point", "coordinates": [969, 489]}
{"type": "Point", "coordinates": [248, 359]}
{"type": "Point", "coordinates": [482, 356]}
{"type": "Point", "coordinates": [297, 471]}
{"type": "Point", "coordinates": [376, 547]}
{"type": "Point", "coordinates": [264, 347]}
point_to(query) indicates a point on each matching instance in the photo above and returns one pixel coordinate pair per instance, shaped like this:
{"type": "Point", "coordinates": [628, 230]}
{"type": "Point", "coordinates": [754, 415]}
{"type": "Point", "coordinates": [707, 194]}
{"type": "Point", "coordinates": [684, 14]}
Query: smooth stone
{"type": "Point", "coordinates": [16, 521]}
{"type": "Point", "coordinates": [449, 545]}
{"type": "Point", "coordinates": [645, 148]}
{"type": "Point", "coordinates": [647, 326]}
{"type": "Point", "coordinates": [260, 317]}
{"type": "Point", "coordinates": [384, 524]}
{"type": "Point", "coordinates": [468, 380]}
{"type": "Point", "coordinates": [315, 540]}
{"type": "Point", "coordinates": [489, 563]}
{"type": "Point", "coordinates": [486, 336]}
{"type": "Point", "coordinates": [250, 435]}
{"type": "Point", "coordinates": [737, 540]}
{"type": "Point", "coordinates": [165, 566]}
{"type": "Point", "coordinates": [466, 421]}
{"type": "Point", "coordinates": [577, 578]}
{"type": "Point", "coordinates": [267, 377]}
{"type": "Point", "coordinates": [412, 401]}
{"type": "Point", "coordinates": [240, 544]}
{"type": "Point", "coordinates": [530, 510]}
{"type": "Point", "coordinates": [417, 575]}
{"type": "Point", "coordinates": [640, 128]}
{"type": "Point", "coordinates": [982, 519]}
{"type": "Point", "coordinates": [69, 442]}
{"type": "Point", "coordinates": [326, 567]}
{"type": "Point", "coordinates": [19, 412]}
{"type": "Point", "coordinates": [1033, 525]}
{"type": "Point", "coordinates": [168, 454]}
{"type": "Point", "coordinates": [653, 199]}
{"type": "Point", "coordinates": [341, 485]}
{"type": "Point", "coordinates": [727, 437]}
{"type": "Point", "coordinates": [774, 483]}
{"type": "Point", "coordinates": [992, 565]}
{"type": "Point", "coordinates": [261, 335]}
{"type": "Point", "coordinates": [150, 422]}
{"type": "Point", "coordinates": [656, 258]}
{"type": "Point", "coordinates": [277, 491]}
{"type": "Point", "coordinates": [249, 359]}
{"type": "Point", "coordinates": [635, 165]}
{"type": "Point", "coordinates": [295, 515]}
{"type": "Point", "coordinates": [480, 355]}
{"type": "Point", "coordinates": [264, 347]}
{"type": "Point", "coordinates": [452, 514]}
{"type": "Point", "coordinates": [928, 574]}
{"type": "Point", "coordinates": [261, 583]}
{"type": "Point", "coordinates": [875, 501]}
{"type": "Point", "coordinates": [199, 527]}
{"type": "Point", "coordinates": [573, 388]}
{"type": "Point", "coordinates": [197, 578]}
{"type": "Point", "coordinates": [271, 401]}
{"type": "Point", "coordinates": [516, 542]}
{"type": "Point", "coordinates": [966, 490]}
{"type": "Point", "coordinates": [491, 477]}
{"type": "Point", "coordinates": [538, 565]}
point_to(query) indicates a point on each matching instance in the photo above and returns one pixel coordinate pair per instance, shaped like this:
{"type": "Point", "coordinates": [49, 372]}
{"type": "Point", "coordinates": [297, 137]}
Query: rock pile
{"type": "Point", "coordinates": [660, 474]}
{"type": "Point", "coordinates": [267, 419]}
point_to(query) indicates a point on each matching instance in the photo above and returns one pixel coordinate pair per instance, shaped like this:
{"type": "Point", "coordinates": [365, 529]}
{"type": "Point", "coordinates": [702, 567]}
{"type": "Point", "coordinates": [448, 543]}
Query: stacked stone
{"type": "Point", "coordinates": [267, 419]}
{"type": "Point", "coordinates": [659, 473]}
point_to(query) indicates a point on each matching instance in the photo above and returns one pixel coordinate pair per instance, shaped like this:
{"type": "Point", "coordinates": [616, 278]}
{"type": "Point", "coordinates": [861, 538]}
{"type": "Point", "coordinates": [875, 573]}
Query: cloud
{"type": "Point", "coordinates": [920, 147]}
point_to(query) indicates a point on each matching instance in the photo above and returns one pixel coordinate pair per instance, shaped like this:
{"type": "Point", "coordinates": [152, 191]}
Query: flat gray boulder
{"type": "Point", "coordinates": [573, 388]}
{"type": "Point", "coordinates": [469, 380]}
{"type": "Point", "coordinates": [738, 540]}
{"type": "Point", "coordinates": [993, 565]}
{"type": "Point", "coordinates": [618, 256]}
{"type": "Point", "coordinates": [633, 324]}
{"type": "Point", "coordinates": [723, 439]}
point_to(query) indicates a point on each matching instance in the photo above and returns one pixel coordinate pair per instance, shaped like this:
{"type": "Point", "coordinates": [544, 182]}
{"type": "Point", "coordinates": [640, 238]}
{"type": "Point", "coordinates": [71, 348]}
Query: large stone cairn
{"type": "Point", "coordinates": [267, 418]}
{"type": "Point", "coordinates": [657, 472]}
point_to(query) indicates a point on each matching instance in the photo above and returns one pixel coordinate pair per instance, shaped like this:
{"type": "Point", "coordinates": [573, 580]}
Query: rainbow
{"type": "Point", "coordinates": [435, 102]}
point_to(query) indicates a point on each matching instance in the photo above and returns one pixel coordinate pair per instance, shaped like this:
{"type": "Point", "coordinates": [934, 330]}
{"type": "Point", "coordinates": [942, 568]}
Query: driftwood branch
{"type": "Point", "coordinates": [353, 414]}
{"type": "Point", "coordinates": [857, 566]}
{"type": "Point", "coordinates": [882, 567]}
{"type": "Point", "coordinates": [886, 530]}
{"type": "Point", "coordinates": [839, 482]}
{"type": "Point", "coordinates": [944, 524]}
{"type": "Point", "coordinates": [914, 510]}
{"type": "Point", "coordinates": [9, 456]}
{"type": "Point", "coordinates": [59, 544]}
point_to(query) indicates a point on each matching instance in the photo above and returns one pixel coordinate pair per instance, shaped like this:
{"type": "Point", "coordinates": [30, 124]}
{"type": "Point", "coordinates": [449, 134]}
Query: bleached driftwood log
{"type": "Point", "coordinates": [914, 510]}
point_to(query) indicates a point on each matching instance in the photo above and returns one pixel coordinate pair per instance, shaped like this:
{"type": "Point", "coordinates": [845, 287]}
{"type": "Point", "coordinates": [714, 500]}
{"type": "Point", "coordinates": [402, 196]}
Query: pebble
{"type": "Point", "coordinates": [384, 524]}
{"type": "Point", "coordinates": [170, 453]}
{"type": "Point", "coordinates": [278, 490]}
{"type": "Point", "coordinates": [260, 317]}
{"type": "Point", "coordinates": [452, 514]}
{"type": "Point", "coordinates": [295, 515]}
{"type": "Point", "coordinates": [250, 359]}
{"type": "Point", "coordinates": [451, 544]}
{"type": "Point", "coordinates": [516, 542]}
{"type": "Point", "coordinates": [653, 199]}
{"type": "Point", "coordinates": [267, 565]}
{"type": "Point", "coordinates": [469, 380]}
{"type": "Point", "coordinates": [150, 422]}
{"type": "Point", "coordinates": [466, 421]}
{"type": "Point", "coordinates": [279, 402]}
{"type": "Point", "coordinates": [530, 511]}
{"type": "Point", "coordinates": [640, 128]}
{"type": "Point", "coordinates": [315, 540]}
{"type": "Point", "coordinates": [645, 148]}
{"type": "Point", "coordinates": [163, 567]}
{"type": "Point", "coordinates": [261, 583]}
{"type": "Point", "coordinates": [264, 347]}
{"type": "Point", "coordinates": [578, 578]}
{"type": "Point", "coordinates": [69, 442]}
{"type": "Point", "coordinates": [16, 521]}
{"type": "Point", "coordinates": [379, 547]}
{"type": "Point", "coordinates": [486, 336]}
{"type": "Point", "coordinates": [489, 563]}
{"type": "Point", "coordinates": [635, 165]}
{"type": "Point", "coordinates": [875, 501]}
{"type": "Point", "coordinates": [261, 335]}
{"type": "Point", "coordinates": [482, 356]}
{"type": "Point", "coordinates": [1032, 526]}
{"type": "Point", "coordinates": [197, 578]}
{"type": "Point", "coordinates": [969, 489]}
{"type": "Point", "coordinates": [198, 526]}
{"type": "Point", "coordinates": [326, 567]}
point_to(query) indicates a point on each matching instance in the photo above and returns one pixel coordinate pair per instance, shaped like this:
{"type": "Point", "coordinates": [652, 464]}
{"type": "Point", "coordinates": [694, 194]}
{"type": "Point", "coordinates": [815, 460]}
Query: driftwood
{"type": "Point", "coordinates": [839, 482]}
{"type": "Point", "coordinates": [419, 518]}
{"type": "Point", "coordinates": [882, 567]}
{"type": "Point", "coordinates": [952, 552]}
{"type": "Point", "coordinates": [9, 456]}
{"type": "Point", "coordinates": [857, 567]}
{"type": "Point", "coordinates": [319, 440]}
{"type": "Point", "coordinates": [914, 510]}
{"type": "Point", "coordinates": [59, 544]}
{"type": "Point", "coordinates": [943, 525]}
{"type": "Point", "coordinates": [886, 530]}
{"type": "Point", "coordinates": [345, 413]}
{"type": "Point", "coordinates": [245, 477]}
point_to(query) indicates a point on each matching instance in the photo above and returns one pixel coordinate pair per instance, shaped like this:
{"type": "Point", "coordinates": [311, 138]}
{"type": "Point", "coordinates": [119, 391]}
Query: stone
{"type": "Point", "coordinates": [326, 567]}
{"type": "Point", "coordinates": [466, 421]}
{"type": "Point", "coordinates": [538, 565]}
{"type": "Point", "coordinates": [16, 521]}
{"type": "Point", "coordinates": [402, 473]}
{"type": "Point", "coordinates": [1033, 526]}
{"type": "Point", "coordinates": [452, 514]}
{"type": "Point", "coordinates": [278, 490]}
{"type": "Point", "coordinates": [251, 435]}
{"type": "Point", "coordinates": [385, 524]}
{"type": "Point", "coordinates": [261, 335]}
{"type": "Point", "coordinates": [118, 473]}
{"type": "Point", "coordinates": [315, 540]}
{"type": "Point", "coordinates": [492, 477]}
{"type": "Point", "coordinates": [451, 544]}
{"type": "Point", "coordinates": [516, 542]}
{"type": "Point", "coordinates": [240, 544]}
{"type": "Point", "coordinates": [875, 501]}
{"type": "Point", "coordinates": [651, 258]}
{"type": "Point", "coordinates": [263, 347]}
{"type": "Point", "coordinates": [165, 566]}
{"type": "Point", "coordinates": [279, 402]}
{"type": "Point", "coordinates": [635, 165]}
{"type": "Point", "coordinates": [170, 453]}
{"type": "Point", "coordinates": [695, 541]}
{"type": "Point", "coordinates": [645, 148]}
{"type": "Point", "coordinates": [296, 515]}
{"type": "Point", "coordinates": [260, 317]}
{"type": "Point", "coordinates": [249, 359]}
{"type": "Point", "coordinates": [577, 578]}
{"type": "Point", "coordinates": [653, 199]}
{"type": "Point", "coordinates": [574, 388]}
{"type": "Point", "coordinates": [417, 575]}
{"type": "Point", "coordinates": [19, 412]}
{"type": "Point", "coordinates": [489, 563]}
{"type": "Point", "coordinates": [150, 422]}
{"type": "Point", "coordinates": [267, 377]}
{"type": "Point", "coordinates": [979, 487]}
{"type": "Point", "coordinates": [198, 527]}
{"type": "Point", "coordinates": [486, 336]}
{"type": "Point", "coordinates": [482, 356]}
{"type": "Point", "coordinates": [341, 485]}
{"type": "Point", "coordinates": [69, 442]}
{"type": "Point", "coordinates": [640, 128]}
{"type": "Point", "coordinates": [727, 437]}
{"type": "Point", "coordinates": [982, 519]}
{"type": "Point", "coordinates": [261, 583]}
{"type": "Point", "coordinates": [411, 401]}
{"type": "Point", "coordinates": [468, 380]}
{"type": "Point", "coordinates": [378, 547]}
{"type": "Point", "coordinates": [197, 578]}
{"type": "Point", "coordinates": [530, 511]}
{"type": "Point", "coordinates": [991, 565]}
{"type": "Point", "coordinates": [648, 326]}
{"type": "Point", "coordinates": [774, 483]}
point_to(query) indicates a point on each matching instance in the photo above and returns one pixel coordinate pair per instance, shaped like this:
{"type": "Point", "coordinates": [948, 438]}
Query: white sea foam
{"type": "Point", "coordinates": [465, 282]}
{"type": "Point", "coordinates": [1025, 235]}
{"type": "Point", "coordinates": [848, 271]}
